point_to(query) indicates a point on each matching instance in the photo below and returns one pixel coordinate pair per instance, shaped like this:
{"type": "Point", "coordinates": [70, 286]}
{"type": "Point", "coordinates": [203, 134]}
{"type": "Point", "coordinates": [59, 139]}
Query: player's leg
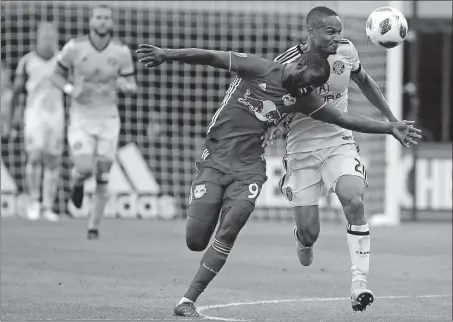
{"type": "Point", "coordinates": [51, 176]}
{"type": "Point", "coordinates": [239, 202]}
{"type": "Point", "coordinates": [105, 155]}
{"type": "Point", "coordinates": [205, 203]}
{"type": "Point", "coordinates": [302, 187]}
{"type": "Point", "coordinates": [345, 174]}
{"type": "Point", "coordinates": [82, 147]}
{"type": "Point", "coordinates": [34, 143]}
{"type": "Point", "coordinates": [51, 167]}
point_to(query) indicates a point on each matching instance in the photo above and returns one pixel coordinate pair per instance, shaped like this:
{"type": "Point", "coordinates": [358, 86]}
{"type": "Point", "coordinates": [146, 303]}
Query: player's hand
{"type": "Point", "coordinates": [406, 133]}
{"type": "Point", "coordinates": [277, 131]}
{"type": "Point", "coordinates": [152, 56]}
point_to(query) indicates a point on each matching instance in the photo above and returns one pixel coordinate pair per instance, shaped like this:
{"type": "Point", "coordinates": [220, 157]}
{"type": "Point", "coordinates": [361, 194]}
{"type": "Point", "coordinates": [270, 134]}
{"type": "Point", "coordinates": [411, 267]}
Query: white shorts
{"type": "Point", "coordinates": [95, 137]}
{"type": "Point", "coordinates": [43, 131]}
{"type": "Point", "coordinates": [309, 175]}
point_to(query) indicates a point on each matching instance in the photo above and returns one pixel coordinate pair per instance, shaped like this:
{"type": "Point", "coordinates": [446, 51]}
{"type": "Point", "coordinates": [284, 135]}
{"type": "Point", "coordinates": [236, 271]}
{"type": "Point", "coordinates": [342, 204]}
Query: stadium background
{"type": "Point", "coordinates": [168, 117]}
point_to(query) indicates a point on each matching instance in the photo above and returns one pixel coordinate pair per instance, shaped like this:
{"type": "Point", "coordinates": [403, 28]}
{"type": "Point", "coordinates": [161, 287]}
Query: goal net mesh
{"type": "Point", "coordinates": [168, 118]}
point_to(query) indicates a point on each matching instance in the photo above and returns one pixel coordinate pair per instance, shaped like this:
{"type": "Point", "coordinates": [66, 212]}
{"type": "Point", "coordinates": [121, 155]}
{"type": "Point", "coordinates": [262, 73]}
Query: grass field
{"type": "Point", "coordinates": [138, 270]}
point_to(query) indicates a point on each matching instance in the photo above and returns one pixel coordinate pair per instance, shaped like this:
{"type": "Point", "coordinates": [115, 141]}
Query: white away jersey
{"type": "Point", "coordinates": [307, 134]}
{"type": "Point", "coordinates": [96, 72]}
{"type": "Point", "coordinates": [41, 92]}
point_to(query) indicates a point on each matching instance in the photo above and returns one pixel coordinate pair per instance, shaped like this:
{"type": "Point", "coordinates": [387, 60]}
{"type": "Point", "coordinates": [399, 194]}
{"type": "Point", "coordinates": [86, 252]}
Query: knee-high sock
{"type": "Point", "coordinates": [100, 198]}
{"type": "Point", "coordinates": [33, 173]}
{"type": "Point", "coordinates": [211, 263]}
{"type": "Point", "coordinates": [50, 187]}
{"type": "Point", "coordinates": [359, 248]}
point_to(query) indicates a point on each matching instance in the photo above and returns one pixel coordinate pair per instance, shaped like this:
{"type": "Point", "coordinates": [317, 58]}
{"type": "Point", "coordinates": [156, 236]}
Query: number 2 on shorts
{"type": "Point", "coordinates": [253, 189]}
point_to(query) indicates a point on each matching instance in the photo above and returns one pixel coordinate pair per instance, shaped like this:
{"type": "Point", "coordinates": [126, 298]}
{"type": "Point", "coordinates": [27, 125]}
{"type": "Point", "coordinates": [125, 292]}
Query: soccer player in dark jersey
{"type": "Point", "coordinates": [232, 167]}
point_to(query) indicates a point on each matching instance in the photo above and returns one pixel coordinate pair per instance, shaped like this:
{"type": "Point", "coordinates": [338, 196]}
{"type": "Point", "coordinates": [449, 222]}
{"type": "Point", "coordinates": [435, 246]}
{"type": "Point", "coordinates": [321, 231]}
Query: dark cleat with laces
{"type": "Point", "coordinates": [186, 309]}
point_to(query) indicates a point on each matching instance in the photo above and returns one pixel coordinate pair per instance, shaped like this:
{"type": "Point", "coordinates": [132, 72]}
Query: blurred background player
{"type": "Point", "coordinates": [5, 96]}
{"type": "Point", "coordinates": [43, 121]}
{"type": "Point", "coordinates": [100, 65]}
{"type": "Point", "coordinates": [323, 157]}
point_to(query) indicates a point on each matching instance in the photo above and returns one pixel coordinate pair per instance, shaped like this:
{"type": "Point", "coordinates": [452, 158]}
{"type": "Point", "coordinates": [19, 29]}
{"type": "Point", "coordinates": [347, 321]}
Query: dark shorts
{"type": "Point", "coordinates": [215, 188]}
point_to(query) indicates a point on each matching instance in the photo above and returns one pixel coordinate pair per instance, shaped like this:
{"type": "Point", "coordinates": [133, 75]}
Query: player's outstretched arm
{"type": "Point", "coordinates": [403, 131]}
{"type": "Point", "coordinates": [372, 92]}
{"type": "Point", "coordinates": [153, 56]}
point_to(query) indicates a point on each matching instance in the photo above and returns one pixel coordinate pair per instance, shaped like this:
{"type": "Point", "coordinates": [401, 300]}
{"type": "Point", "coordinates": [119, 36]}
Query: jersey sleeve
{"type": "Point", "coordinates": [355, 61]}
{"type": "Point", "coordinates": [289, 56]}
{"type": "Point", "coordinates": [21, 69]}
{"type": "Point", "coordinates": [67, 55]}
{"type": "Point", "coordinates": [127, 64]}
{"type": "Point", "coordinates": [246, 65]}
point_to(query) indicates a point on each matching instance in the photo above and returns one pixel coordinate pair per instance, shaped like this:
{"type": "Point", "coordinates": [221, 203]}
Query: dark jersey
{"type": "Point", "coordinates": [255, 100]}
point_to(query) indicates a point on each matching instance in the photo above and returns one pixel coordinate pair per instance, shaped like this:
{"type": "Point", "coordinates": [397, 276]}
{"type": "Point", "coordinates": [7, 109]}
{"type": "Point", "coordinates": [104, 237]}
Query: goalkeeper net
{"type": "Point", "coordinates": [165, 123]}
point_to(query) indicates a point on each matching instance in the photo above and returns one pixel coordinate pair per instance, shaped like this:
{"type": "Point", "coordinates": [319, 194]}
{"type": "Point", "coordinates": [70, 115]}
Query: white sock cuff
{"type": "Point", "coordinates": [358, 229]}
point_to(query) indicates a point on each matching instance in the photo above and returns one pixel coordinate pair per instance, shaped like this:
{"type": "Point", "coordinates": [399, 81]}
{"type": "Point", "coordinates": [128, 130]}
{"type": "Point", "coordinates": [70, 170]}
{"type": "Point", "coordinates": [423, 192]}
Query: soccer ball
{"type": "Point", "coordinates": [386, 27]}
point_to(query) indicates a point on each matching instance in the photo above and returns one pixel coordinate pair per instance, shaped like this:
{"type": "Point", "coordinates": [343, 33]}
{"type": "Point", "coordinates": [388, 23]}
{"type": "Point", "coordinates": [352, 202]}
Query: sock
{"type": "Point", "coordinates": [211, 263]}
{"type": "Point", "coordinates": [359, 248]}
{"type": "Point", "coordinates": [185, 300]}
{"type": "Point", "coordinates": [34, 173]}
{"type": "Point", "coordinates": [49, 187]}
{"type": "Point", "coordinates": [100, 198]}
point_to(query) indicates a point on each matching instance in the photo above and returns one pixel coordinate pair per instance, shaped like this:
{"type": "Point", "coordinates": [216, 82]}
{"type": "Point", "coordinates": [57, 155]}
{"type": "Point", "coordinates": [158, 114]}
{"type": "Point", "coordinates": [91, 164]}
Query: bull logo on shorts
{"type": "Point", "coordinates": [265, 111]}
{"type": "Point", "coordinates": [338, 67]}
{"type": "Point", "coordinates": [289, 194]}
{"type": "Point", "coordinates": [199, 191]}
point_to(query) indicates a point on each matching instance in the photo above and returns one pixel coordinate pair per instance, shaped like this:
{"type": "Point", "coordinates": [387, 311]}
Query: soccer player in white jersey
{"type": "Point", "coordinates": [43, 121]}
{"type": "Point", "coordinates": [100, 66]}
{"type": "Point", "coordinates": [5, 97]}
{"type": "Point", "coordinates": [322, 158]}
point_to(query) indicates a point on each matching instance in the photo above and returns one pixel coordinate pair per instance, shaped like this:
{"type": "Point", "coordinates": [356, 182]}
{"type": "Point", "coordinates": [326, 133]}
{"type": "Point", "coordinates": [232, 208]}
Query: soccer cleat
{"type": "Point", "coordinates": [34, 211]}
{"type": "Point", "coordinates": [186, 309]}
{"type": "Point", "coordinates": [93, 234]}
{"type": "Point", "coordinates": [50, 215]}
{"type": "Point", "coordinates": [305, 254]}
{"type": "Point", "coordinates": [361, 297]}
{"type": "Point", "coordinates": [77, 195]}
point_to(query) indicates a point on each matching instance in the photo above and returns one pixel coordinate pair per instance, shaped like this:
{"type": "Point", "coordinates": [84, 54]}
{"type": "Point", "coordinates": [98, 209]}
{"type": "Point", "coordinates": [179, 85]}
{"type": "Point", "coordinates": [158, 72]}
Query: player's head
{"type": "Point", "coordinates": [312, 70]}
{"type": "Point", "coordinates": [101, 19]}
{"type": "Point", "coordinates": [47, 40]}
{"type": "Point", "coordinates": [324, 29]}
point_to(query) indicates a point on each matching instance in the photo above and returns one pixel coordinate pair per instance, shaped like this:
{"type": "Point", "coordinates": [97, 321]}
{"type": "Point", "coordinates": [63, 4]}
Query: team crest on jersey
{"type": "Point", "coordinates": [199, 191]}
{"type": "Point", "coordinates": [288, 100]}
{"type": "Point", "coordinates": [112, 61]}
{"type": "Point", "coordinates": [338, 67]}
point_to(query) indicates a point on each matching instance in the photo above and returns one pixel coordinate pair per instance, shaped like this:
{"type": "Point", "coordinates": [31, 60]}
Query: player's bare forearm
{"type": "Point", "coordinates": [127, 84]}
{"type": "Point", "coordinates": [195, 56]}
{"type": "Point", "coordinates": [154, 56]}
{"type": "Point", "coordinates": [18, 89]}
{"type": "Point", "coordinates": [60, 79]}
{"type": "Point", "coordinates": [373, 93]}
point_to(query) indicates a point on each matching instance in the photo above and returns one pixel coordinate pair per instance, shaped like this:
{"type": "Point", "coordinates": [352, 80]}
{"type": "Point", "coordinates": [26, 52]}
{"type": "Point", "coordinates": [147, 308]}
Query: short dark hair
{"type": "Point", "coordinates": [316, 14]}
{"type": "Point", "coordinates": [318, 64]}
{"type": "Point", "coordinates": [99, 6]}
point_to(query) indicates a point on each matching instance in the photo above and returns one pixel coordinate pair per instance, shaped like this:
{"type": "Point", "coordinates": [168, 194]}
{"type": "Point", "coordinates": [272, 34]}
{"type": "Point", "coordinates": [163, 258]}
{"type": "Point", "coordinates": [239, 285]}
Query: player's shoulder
{"type": "Point", "coordinates": [346, 48]}
{"type": "Point", "coordinates": [77, 41]}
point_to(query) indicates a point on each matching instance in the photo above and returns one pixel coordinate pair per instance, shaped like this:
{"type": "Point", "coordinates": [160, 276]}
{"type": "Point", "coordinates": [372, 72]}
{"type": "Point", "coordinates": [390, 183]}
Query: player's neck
{"type": "Point", "coordinates": [310, 46]}
{"type": "Point", "coordinates": [99, 42]}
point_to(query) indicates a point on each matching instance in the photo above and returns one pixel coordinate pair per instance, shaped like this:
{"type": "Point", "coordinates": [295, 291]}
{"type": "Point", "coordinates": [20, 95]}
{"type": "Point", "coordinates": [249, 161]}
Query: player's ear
{"type": "Point", "coordinates": [311, 31]}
